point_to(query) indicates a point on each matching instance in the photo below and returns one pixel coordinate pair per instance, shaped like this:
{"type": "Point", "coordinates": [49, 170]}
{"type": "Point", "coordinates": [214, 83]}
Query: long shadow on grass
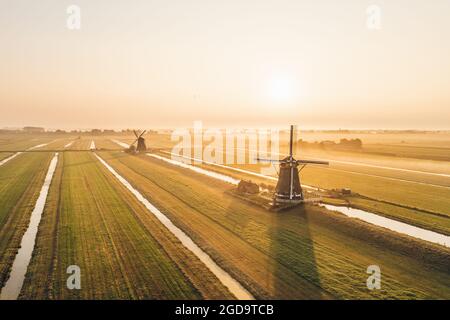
{"type": "Point", "coordinates": [293, 246]}
{"type": "Point", "coordinates": [289, 270]}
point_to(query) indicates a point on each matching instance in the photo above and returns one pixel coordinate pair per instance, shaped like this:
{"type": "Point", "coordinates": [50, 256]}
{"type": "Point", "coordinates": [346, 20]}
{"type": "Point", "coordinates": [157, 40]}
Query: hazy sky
{"type": "Point", "coordinates": [167, 63]}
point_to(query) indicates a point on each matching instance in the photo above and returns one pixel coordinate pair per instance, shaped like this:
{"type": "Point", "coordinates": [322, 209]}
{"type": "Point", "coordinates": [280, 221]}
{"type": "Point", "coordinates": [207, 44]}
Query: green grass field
{"type": "Point", "coordinates": [20, 183]}
{"type": "Point", "coordinates": [93, 222]}
{"type": "Point", "coordinates": [300, 254]}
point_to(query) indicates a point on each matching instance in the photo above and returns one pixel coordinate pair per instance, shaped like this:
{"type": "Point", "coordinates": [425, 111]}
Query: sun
{"type": "Point", "coordinates": [281, 88]}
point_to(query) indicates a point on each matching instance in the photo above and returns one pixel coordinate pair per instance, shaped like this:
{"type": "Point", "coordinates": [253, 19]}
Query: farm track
{"type": "Point", "coordinates": [92, 221]}
{"type": "Point", "coordinates": [310, 251]}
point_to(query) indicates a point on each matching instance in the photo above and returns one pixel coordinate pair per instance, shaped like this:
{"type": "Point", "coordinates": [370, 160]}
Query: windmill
{"type": "Point", "coordinates": [140, 143]}
{"type": "Point", "coordinates": [288, 189]}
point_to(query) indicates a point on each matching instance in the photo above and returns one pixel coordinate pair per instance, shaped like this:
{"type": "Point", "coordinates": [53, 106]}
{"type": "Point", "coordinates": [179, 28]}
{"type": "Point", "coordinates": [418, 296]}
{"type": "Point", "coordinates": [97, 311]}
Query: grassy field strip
{"type": "Point", "coordinates": [372, 218]}
{"type": "Point", "coordinates": [222, 166]}
{"type": "Point", "coordinates": [20, 182]}
{"type": "Point", "coordinates": [105, 143]}
{"type": "Point", "coordinates": [4, 155]}
{"type": "Point", "coordinates": [19, 142]}
{"type": "Point", "coordinates": [91, 220]}
{"type": "Point", "coordinates": [9, 158]}
{"type": "Point", "coordinates": [18, 153]}
{"type": "Point", "coordinates": [418, 196]}
{"type": "Point", "coordinates": [387, 168]}
{"type": "Point", "coordinates": [235, 287]}
{"type": "Point", "coordinates": [400, 176]}
{"type": "Point", "coordinates": [81, 144]}
{"type": "Point", "coordinates": [393, 225]}
{"type": "Point", "coordinates": [13, 286]}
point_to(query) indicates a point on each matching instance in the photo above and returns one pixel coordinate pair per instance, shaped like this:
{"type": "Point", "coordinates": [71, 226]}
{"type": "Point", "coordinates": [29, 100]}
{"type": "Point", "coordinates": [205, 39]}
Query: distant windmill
{"type": "Point", "coordinates": [140, 143]}
{"type": "Point", "coordinates": [288, 189]}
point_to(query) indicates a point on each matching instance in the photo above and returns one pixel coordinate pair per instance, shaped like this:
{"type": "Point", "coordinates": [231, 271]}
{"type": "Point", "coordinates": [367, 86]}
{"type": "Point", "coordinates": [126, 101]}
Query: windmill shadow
{"type": "Point", "coordinates": [281, 261]}
{"type": "Point", "coordinates": [292, 245]}
{"type": "Point", "coordinates": [291, 239]}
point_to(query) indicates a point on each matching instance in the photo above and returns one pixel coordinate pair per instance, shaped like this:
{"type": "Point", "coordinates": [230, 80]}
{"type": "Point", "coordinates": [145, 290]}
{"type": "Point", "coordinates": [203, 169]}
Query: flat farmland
{"type": "Point", "coordinates": [20, 183]}
{"type": "Point", "coordinates": [304, 253]}
{"type": "Point", "coordinates": [79, 143]}
{"type": "Point", "coordinates": [92, 221]}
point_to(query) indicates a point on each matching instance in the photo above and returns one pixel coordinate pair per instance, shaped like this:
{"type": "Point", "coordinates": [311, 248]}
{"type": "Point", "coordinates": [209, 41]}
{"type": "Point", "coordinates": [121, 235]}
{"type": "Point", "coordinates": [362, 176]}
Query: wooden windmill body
{"type": "Point", "coordinates": [140, 147]}
{"type": "Point", "coordinates": [288, 188]}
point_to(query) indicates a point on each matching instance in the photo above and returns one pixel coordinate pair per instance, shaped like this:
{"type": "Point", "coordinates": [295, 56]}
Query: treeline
{"type": "Point", "coordinates": [343, 144]}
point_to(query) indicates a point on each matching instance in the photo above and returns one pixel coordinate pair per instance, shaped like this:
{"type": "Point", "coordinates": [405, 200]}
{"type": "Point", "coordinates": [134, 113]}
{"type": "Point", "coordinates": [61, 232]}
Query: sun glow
{"type": "Point", "coordinates": [282, 89]}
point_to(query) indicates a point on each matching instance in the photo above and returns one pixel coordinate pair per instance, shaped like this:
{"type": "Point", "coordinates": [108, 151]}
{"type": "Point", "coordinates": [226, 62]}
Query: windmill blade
{"type": "Point", "coordinates": [294, 139]}
{"type": "Point", "coordinates": [135, 134]}
{"type": "Point", "coordinates": [312, 162]}
{"type": "Point", "coordinates": [268, 160]}
{"type": "Point", "coordinates": [290, 140]}
{"type": "Point", "coordinates": [142, 133]}
{"type": "Point", "coordinates": [134, 142]}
